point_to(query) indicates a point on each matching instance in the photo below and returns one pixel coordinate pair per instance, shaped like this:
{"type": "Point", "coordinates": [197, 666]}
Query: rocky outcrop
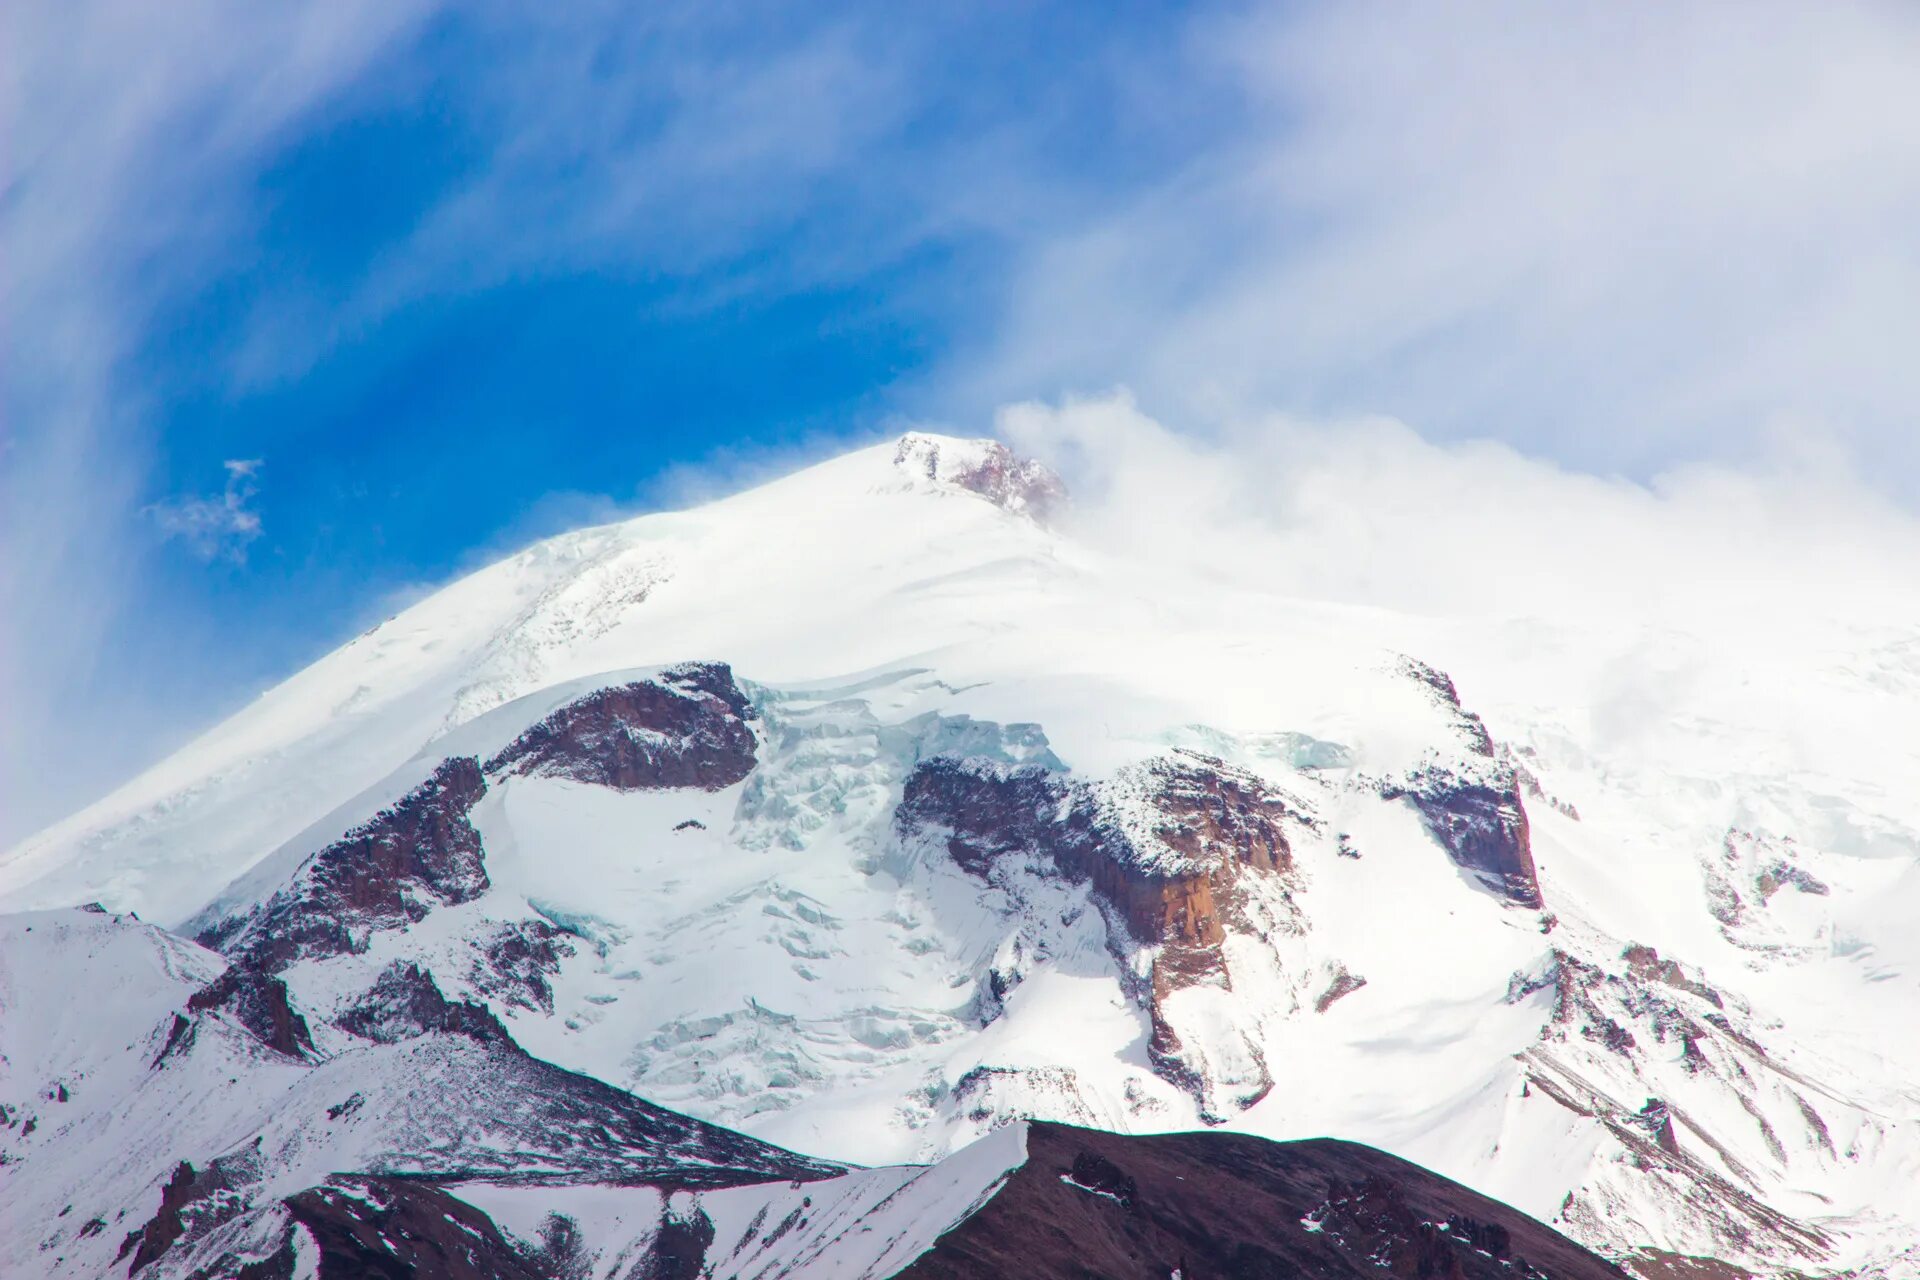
{"type": "Point", "coordinates": [389, 1227]}
{"type": "Point", "coordinates": [1214, 1204]}
{"type": "Point", "coordinates": [516, 962]}
{"type": "Point", "coordinates": [258, 1002]}
{"type": "Point", "coordinates": [1472, 806]}
{"type": "Point", "coordinates": [167, 1224]}
{"type": "Point", "coordinates": [192, 1203]}
{"type": "Point", "coordinates": [1653, 1053]}
{"type": "Point", "coordinates": [989, 1094]}
{"type": "Point", "coordinates": [679, 1249]}
{"type": "Point", "coordinates": [1341, 985]}
{"type": "Point", "coordinates": [1178, 852]}
{"type": "Point", "coordinates": [405, 1002]}
{"type": "Point", "coordinates": [1602, 1002]}
{"type": "Point", "coordinates": [1165, 848]}
{"type": "Point", "coordinates": [1656, 1117]}
{"type": "Point", "coordinates": [687, 727]}
{"type": "Point", "coordinates": [984, 467]}
{"type": "Point", "coordinates": [421, 853]}
{"type": "Point", "coordinates": [1752, 875]}
{"type": "Point", "coordinates": [1482, 825]}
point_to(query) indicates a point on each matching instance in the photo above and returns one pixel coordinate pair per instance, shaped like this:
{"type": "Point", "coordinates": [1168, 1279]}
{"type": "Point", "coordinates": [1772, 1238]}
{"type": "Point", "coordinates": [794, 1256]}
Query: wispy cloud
{"type": "Point", "coordinates": [1622, 234]}
{"type": "Point", "coordinates": [217, 526]}
{"type": "Point", "coordinates": [731, 152]}
{"type": "Point", "coordinates": [1619, 236]}
{"type": "Point", "coordinates": [1661, 621]}
{"type": "Point", "coordinates": [133, 136]}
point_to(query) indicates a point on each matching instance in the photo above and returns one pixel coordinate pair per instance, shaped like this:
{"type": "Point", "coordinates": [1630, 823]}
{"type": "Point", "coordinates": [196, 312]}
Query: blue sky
{"type": "Point", "coordinates": [308, 307]}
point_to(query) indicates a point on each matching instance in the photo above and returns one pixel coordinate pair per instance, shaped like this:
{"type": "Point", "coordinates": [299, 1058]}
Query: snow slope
{"type": "Point", "coordinates": [1703, 1044]}
{"type": "Point", "coordinates": [113, 1074]}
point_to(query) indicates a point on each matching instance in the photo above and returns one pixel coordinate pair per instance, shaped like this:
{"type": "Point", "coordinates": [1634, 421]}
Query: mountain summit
{"type": "Point", "coordinates": [877, 810]}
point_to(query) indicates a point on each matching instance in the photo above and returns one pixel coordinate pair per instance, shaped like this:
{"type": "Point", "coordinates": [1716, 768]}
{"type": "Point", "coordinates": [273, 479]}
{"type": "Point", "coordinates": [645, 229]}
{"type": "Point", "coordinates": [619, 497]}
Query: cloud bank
{"type": "Point", "coordinates": [1621, 235]}
{"type": "Point", "coordinates": [1670, 243]}
{"type": "Point", "coordinates": [1714, 621]}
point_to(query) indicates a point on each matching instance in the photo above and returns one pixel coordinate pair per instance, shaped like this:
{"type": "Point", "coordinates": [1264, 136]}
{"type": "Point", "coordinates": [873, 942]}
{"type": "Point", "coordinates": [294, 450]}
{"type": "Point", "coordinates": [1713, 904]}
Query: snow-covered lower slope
{"type": "Point", "coordinates": [236, 1139]}
{"type": "Point", "coordinates": [156, 1100]}
{"type": "Point", "coordinates": [874, 807]}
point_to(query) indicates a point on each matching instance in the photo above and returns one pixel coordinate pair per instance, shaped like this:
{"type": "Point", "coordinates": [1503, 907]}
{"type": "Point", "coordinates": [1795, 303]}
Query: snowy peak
{"type": "Point", "coordinates": [984, 467]}
{"type": "Point", "coordinates": [964, 818]}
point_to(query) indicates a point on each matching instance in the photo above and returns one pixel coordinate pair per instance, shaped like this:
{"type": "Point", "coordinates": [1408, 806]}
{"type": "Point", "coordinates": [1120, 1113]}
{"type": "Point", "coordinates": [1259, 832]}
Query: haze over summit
{"type": "Point", "coordinates": [311, 308]}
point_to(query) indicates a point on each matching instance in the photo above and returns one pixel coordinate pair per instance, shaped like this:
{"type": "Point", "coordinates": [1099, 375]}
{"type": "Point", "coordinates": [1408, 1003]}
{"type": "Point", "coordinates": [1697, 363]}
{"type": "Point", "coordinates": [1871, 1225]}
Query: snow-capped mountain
{"type": "Point", "coordinates": [870, 810]}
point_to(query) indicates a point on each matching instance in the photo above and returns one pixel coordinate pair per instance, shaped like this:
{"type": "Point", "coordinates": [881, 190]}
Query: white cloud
{"type": "Point", "coordinates": [133, 135]}
{"type": "Point", "coordinates": [676, 144]}
{"type": "Point", "coordinates": [1621, 234]}
{"type": "Point", "coordinates": [218, 526]}
{"type": "Point", "coordinates": [1366, 512]}
{"type": "Point", "coordinates": [1779, 599]}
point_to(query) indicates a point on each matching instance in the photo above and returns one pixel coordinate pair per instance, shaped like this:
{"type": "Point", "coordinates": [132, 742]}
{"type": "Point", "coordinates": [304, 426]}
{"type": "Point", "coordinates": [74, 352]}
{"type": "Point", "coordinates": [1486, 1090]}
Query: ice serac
{"type": "Point", "coordinates": [1214, 1204]}
{"type": "Point", "coordinates": [984, 467]}
{"type": "Point", "coordinates": [1471, 804]}
{"type": "Point", "coordinates": [385, 874]}
{"type": "Point", "coordinates": [1180, 852]}
{"type": "Point", "coordinates": [686, 727]}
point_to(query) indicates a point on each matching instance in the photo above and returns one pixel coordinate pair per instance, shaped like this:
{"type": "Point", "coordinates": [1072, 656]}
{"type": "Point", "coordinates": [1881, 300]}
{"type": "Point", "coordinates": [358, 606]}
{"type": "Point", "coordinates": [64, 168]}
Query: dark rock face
{"type": "Point", "coordinates": [1215, 824]}
{"type": "Point", "coordinates": [1644, 962]}
{"type": "Point", "coordinates": [679, 1250]}
{"type": "Point", "coordinates": [1668, 1004]}
{"type": "Point", "coordinates": [382, 1227]}
{"type": "Point", "coordinates": [1468, 726]}
{"type": "Point", "coordinates": [167, 1225]}
{"type": "Point", "coordinates": [180, 1038]}
{"type": "Point", "coordinates": [542, 1123]}
{"type": "Point", "coordinates": [515, 964]}
{"type": "Point", "coordinates": [1581, 1004]}
{"type": "Point", "coordinates": [1481, 824]}
{"type": "Point", "coordinates": [1177, 885]}
{"type": "Point", "coordinates": [687, 727]}
{"type": "Point", "coordinates": [193, 1202]}
{"type": "Point", "coordinates": [1343, 984]}
{"type": "Point", "coordinates": [258, 1002]}
{"type": "Point", "coordinates": [1656, 1117]}
{"type": "Point", "coordinates": [1209, 1204]}
{"type": "Point", "coordinates": [1475, 812]}
{"type": "Point", "coordinates": [404, 1002]}
{"type": "Point", "coordinates": [1751, 871]}
{"type": "Point", "coordinates": [421, 853]}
